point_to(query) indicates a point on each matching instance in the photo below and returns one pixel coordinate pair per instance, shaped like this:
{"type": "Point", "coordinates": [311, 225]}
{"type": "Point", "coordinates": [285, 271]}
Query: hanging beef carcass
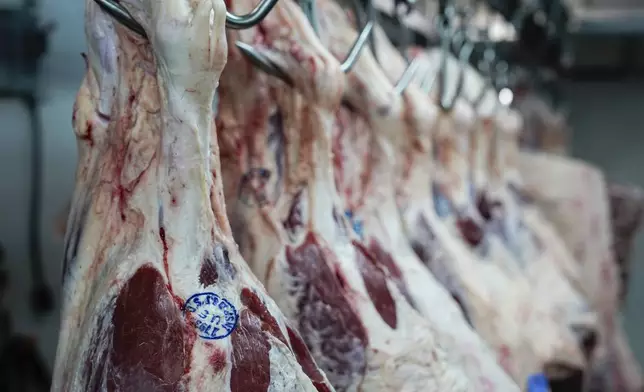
{"type": "Point", "coordinates": [287, 216]}
{"type": "Point", "coordinates": [479, 285]}
{"type": "Point", "coordinates": [156, 295]}
{"type": "Point", "coordinates": [576, 201]}
{"type": "Point", "coordinates": [369, 133]}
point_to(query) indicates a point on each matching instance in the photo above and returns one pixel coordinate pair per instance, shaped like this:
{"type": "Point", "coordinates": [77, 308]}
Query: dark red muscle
{"type": "Point", "coordinates": [256, 306]}
{"type": "Point", "coordinates": [327, 321]}
{"type": "Point", "coordinates": [376, 284]}
{"type": "Point", "coordinates": [251, 371]}
{"type": "Point", "coordinates": [385, 260]}
{"type": "Point", "coordinates": [149, 350]}
{"type": "Point", "coordinates": [471, 231]}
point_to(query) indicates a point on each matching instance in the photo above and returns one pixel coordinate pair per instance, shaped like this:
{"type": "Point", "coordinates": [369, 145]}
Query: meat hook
{"type": "Point", "coordinates": [427, 83]}
{"type": "Point", "coordinates": [413, 68]}
{"type": "Point", "coordinates": [363, 37]}
{"type": "Point", "coordinates": [464, 55]}
{"type": "Point", "coordinates": [262, 62]}
{"type": "Point", "coordinates": [233, 21]}
{"type": "Point", "coordinates": [310, 10]}
{"type": "Point", "coordinates": [268, 66]}
{"type": "Point", "coordinates": [357, 47]}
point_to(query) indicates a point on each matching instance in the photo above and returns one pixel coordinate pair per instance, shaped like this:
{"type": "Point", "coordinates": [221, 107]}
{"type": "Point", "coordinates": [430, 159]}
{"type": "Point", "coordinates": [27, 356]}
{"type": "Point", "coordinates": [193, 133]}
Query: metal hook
{"type": "Point", "coordinates": [442, 72]}
{"type": "Point", "coordinates": [363, 37]}
{"type": "Point", "coordinates": [410, 72]}
{"type": "Point", "coordinates": [445, 12]}
{"type": "Point", "coordinates": [120, 14]}
{"type": "Point", "coordinates": [242, 22]}
{"type": "Point", "coordinates": [233, 21]}
{"type": "Point", "coordinates": [263, 63]}
{"type": "Point", "coordinates": [357, 47]}
{"type": "Point", "coordinates": [413, 66]}
{"type": "Point", "coordinates": [485, 65]}
{"type": "Point", "coordinates": [427, 84]}
{"type": "Point", "coordinates": [310, 11]}
{"type": "Point", "coordinates": [266, 65]}
{"type": "Point", "coordinates": [463, 57]}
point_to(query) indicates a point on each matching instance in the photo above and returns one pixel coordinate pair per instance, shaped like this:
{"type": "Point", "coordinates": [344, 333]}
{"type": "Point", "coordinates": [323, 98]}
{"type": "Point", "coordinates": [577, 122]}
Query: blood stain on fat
{"type": "Point", "coordinates": [328, 323]}
{"type": "Point", "coordinates": [150, 349]}
{"type": "Point", "coordinates": [88, 137]}
{"type": "Point", "coordinates": [217, 359]}
{"type": "Point", "coordinates": [376, 284]}
{"type": "Point", "coordinates": [341, 278]}
{"type": "Point", "coordinates": [164, 243]}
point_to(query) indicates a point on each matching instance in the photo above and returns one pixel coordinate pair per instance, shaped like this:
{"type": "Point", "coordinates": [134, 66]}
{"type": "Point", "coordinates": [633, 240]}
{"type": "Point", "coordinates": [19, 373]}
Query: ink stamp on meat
{"type": "Point", "coordinates": [213, 317]}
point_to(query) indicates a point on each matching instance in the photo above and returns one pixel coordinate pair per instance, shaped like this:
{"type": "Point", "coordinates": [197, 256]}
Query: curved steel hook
{"type": "Point", "coordinates": [121, 15]}
{"type": "Point", "coordinates": [266, 65]}
{"type": "Point", "coordinates": [463, 57]}
{"type": "Point", "coordinates": [464, 54]}
{"type": "Point", "coordinates": [363, 37]}
{"type": "Point", "coordinates": [413, 66]}
{"type": "Point", "coordinates": [233, 21]}
{"type": "Point", "coordinates": [442, 72]}
{"type": "Point", "coordinates": [263, 63]}
{"type": "Point", "coordinates": [357, 47]}
{"type": "Point", "coordinates": [241, 22]}
{"type": "Point", "coordinates": [410, 72]}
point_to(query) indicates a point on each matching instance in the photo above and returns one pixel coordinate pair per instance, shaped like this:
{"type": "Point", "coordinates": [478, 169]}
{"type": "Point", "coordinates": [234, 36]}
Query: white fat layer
{"type": "Point", "coordinates": [382, 220]}
{"type": "Point", "coordinates": [286, 373]}
{"type": "Point", "coordinates": [409, 358]}
{"type": "Point", "coordinates": [168, 152]}
{"type": "Point", "coordinates": [528, 355]}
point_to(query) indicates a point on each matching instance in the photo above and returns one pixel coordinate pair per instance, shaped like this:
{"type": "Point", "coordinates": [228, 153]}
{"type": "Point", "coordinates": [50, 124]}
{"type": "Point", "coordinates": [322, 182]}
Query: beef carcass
{"type": "Point", "coordinates": [286, 215]}
{"type": "Point", "coordinates": [576, 201]}
{"type": "Point", "coordinates": [479, 285]}
{"type": "Point", "coordinates": [156, 295]}
{"type": "Point", "coordinates": [365, 137]}
{"type": "Point", "coordinates": [547, 260]}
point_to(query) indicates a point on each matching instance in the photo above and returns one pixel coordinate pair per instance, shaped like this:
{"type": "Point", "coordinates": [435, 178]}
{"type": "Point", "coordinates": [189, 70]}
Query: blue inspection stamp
{"type": "Point", "coordinates": [213, 316]}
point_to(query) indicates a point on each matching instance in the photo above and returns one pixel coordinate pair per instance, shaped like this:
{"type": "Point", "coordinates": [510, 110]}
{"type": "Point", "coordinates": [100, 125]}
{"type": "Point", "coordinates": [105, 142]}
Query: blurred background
{"type": "Point", "coordinates": [599, 88]}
